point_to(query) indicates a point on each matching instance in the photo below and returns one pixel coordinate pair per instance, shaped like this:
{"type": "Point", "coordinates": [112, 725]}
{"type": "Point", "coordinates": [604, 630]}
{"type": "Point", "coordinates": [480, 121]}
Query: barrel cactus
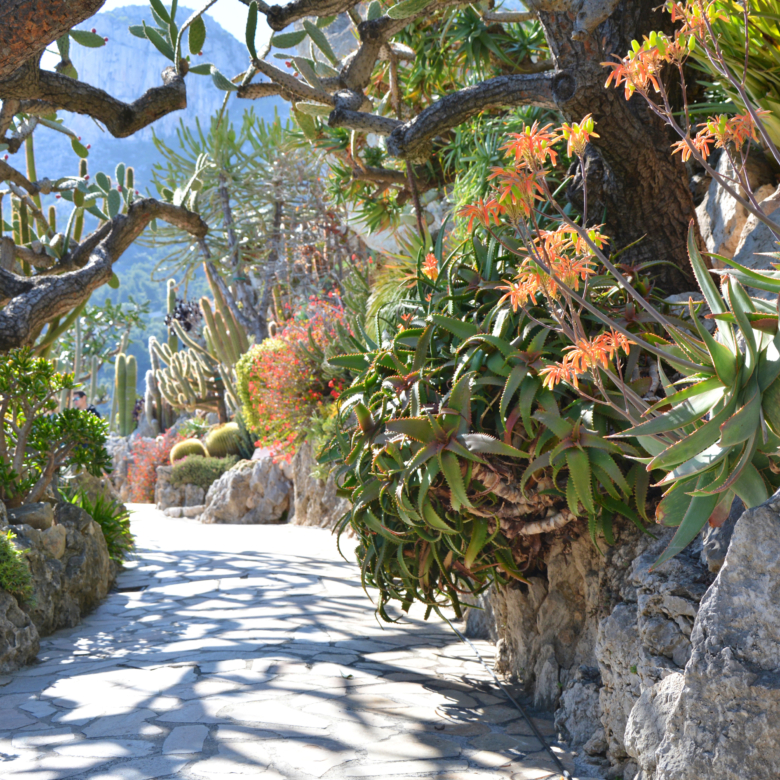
{"type": "Point", "coordinates": [188, 447]}
{"type": "Point", "coordinates": [224, 440]}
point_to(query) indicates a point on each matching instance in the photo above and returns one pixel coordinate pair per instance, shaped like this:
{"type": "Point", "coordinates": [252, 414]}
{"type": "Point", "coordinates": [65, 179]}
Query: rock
{"type": "Point", "coordinates": [66, 583]}
{"type": "Point", "coordinates": [147, 429]}
{"type": "Point", "coordinates": [165, 494]}
{"type": "Point", "coordinates": [194, 495]}
{"type": "Point", "coordinates": [724, 724]}
{"type": "Point", "coordinates": [253, 491]}
{"type": "Point", "coordinates": [39, 515]}
{"type": "Point", "coordinates": [579, 710]}
{"type": "Point", "coordinates": [316, 502]}
{"type": "Point", "coordinates": [647, 722]}
{"type": "Point", "coordinates": [119, 449]}
{"type": "Point", "coordinates": [756, 239]}
{"type": "Point", "coordinates": [716, 540]}
{"type": "Point", "coordinates": [19, 642]}
{"type": "Point", "coordinates": [721, 219]}
{"type": "Point", "coordinates": [94, 487]}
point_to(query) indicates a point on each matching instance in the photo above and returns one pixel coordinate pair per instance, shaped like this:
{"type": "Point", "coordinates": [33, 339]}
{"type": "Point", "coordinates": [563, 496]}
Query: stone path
{"type": "Point", "coordinates": [252, 651]}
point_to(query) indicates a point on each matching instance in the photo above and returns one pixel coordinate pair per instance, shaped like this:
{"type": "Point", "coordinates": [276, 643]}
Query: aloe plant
{"type": "Point", "coordinates": [453, 454]}
{"type": "Point", "coordinates": [714, 438]}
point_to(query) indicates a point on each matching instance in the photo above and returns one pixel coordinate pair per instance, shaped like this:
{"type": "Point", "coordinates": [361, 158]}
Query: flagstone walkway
{"type": "Point", "coordinates": [232, 652]}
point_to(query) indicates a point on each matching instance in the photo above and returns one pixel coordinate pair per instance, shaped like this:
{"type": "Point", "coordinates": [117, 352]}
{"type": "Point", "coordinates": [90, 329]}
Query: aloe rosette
{"type": "Point", "coordinates": [714, 438]}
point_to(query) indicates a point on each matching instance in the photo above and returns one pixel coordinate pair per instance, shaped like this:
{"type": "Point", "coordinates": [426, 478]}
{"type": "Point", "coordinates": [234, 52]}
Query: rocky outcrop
{"type": "Point", "coordinates": [252, 492]}
{"type": "Point", "coordinates": [316, 502]}
{"type": "Point", "coordinates": [70, 567]}
{"type": "Point", "coordinates": [19, 641]}
{"type": "Point", "coordinates": [167, 495]}
{"type": "Point", "coordinates": [723, 721]}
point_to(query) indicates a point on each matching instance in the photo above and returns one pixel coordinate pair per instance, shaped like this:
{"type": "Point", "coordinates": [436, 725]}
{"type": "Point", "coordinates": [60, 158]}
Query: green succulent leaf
{"type": "Point", "coordinates": [579, 470]}
{"type": "Point", "coordinates": [450, 467]}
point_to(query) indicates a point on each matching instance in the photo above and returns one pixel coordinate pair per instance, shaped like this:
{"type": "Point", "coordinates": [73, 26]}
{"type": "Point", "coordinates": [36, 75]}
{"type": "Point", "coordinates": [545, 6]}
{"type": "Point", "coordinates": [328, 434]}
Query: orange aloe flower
{"type": "Point", "coordinates": [533, 146]}
{"type": "Point", "coordinates": [578, 135]}
{"type": "Point", "coordinates": [517, 188]}
{"type": "Point", "coordinates": [483, 212]}
{"type": "Point", "coordinates": [430, 266]}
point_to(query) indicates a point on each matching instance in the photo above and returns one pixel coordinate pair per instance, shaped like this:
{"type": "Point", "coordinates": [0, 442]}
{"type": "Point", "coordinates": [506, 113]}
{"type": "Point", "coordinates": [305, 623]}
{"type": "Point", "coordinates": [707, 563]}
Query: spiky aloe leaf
{"type": "Point", "coordinates": [745, 422]}
{"type": "Point", "coordinates": [741, 306]}
{"type": "Point", "coordinates": [433, 520]}
{"type": "Point", "coordinates": [460, 402]}
{"type": "Point", "coordinates": [769, 363]}
{"type": "Point", "coordinates": [356, 361]}
{"type": "Point", "coordinates": [513, 382]}
{"type": "Point", "coordinates": [458, 328]}
{"type": "Point", "coordinates": [700, 462]}
{"type": "Point", "coordinates": [502, 345]}
{"type": "Point", "coordinates": [450, 466]}
{"type": "Point", "coordinates": [725, 361]}
{"type": "Point", "coordinates": [761, 280]}
{"type": "Point", "coordinates": [579, 469]}
{"type": "Point", "coordinates": [751, 488]}
{"type": "Point", "coordinates": [417, 428]}
{"type": "Point", "coordinates": [605, 461]}
{"type": "Point", "coordinates": [486, 444]}
{"type": "Point", "coordinates": [708, 287]}
{"type": "Point", "coordinates": [528, 390]}
{"type": "Point", "coordinates": [429, 475]}
{"type": "Point", "coordinates": [479, 536]}
{"type": "Point", "coordinates": [560, 427]}
{"type": "Point", "coordinates": [421, 351]}
{"type": "Point", "coordinates": [694, 519]}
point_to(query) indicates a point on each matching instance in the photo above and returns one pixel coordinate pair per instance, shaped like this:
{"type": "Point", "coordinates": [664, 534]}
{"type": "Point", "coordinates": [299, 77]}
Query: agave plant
{"type": "Point", "coordinates": [715, 438]}
{"type": "Point", "coordinates": [454, 455]}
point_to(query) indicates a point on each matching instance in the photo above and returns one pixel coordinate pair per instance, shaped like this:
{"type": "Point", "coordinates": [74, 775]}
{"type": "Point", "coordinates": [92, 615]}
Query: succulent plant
{"type": "Point", "coordinates": [223, 440]}
{"type": "Point", "coordinates": [188, 447]}
{"type": "Point", "coordinates": [125, 377]}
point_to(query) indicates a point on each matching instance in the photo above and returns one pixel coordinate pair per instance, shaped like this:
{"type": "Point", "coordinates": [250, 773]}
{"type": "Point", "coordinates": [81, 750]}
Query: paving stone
{"type": "Point", "coordinates": [503, 741]}
{"type": "Point", "coordinates": [185, 739]}
{"type": "Point", "coordinates": [402, 768]}
{"type": "Point", "coordinates": [134, 723]}
{"type": "Point", "coordinates": [237, 758]}
{"type": "Point", "coordinates": [14, 719]}
{"type": "Point", "coordinates": [43, 739]}
{"type": "Point", "coordinates": [114, 748]}
{"type": "Point", "coordinates": [143, 769]}
{"type": "Point", "coordinates": [404, 747]}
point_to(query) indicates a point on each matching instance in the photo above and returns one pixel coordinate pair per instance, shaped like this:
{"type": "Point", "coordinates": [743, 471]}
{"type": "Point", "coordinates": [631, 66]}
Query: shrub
{"type": "Point", "coordinates": [281, 381]}
{"type": "Point", "coordinates": [37, 440]}
{"type": "Point", "coordinates": [146, 456]}
{"type": "Point", "coordinates": [188, 447]}
{"type": "Point", "coordinates": [15, 575]}
{"type": "Point", "coordinates": [223, 440]}
{"type": "Point", "coordinates": [200, 471]}
{"type": "Point", "coordinates": [113, 517]}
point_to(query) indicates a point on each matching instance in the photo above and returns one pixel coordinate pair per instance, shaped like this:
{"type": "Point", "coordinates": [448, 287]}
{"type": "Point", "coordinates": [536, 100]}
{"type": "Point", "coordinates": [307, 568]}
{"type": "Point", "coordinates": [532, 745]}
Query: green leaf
{"type": "Point", "coordinates": [483, 443]}
{"type": "Point", "coordinates": [421, 351]}
{"type": "Point", "coordinates": [697, 464]}
{"type": "Point", "coordinates": [325, 21]}
{"type": "Point", "coordinates": [196, 36]}
{"type": "Point", "coordinates": [724, 360]}
{"type": "Point", "coordinates": [160, 10]}
{"type": "Point", "coordinates": [513, 382]}
{"type": "Point", "coordinates": [417, 428]}
{"type": "Point", "coordinates": [320, 40]}
{"type": "Point", "coordinates": [407, 8]}
{"type": "Point", "coordinates": [708, 287]}
{"type": "Point", "coordinates": [479, 536]}
{"type": "Point", "coordinates": [222, 82]}
{"type": "Point", "coordinates": [687, 412]}
{"type": "Point", "coordinates": [137, 30]}
{"type": "Point", "coordinates": [159, 42]}
{"type": "Point", "coordinates": [251, 29]}
{"type": "Point", "coordinates": [761, 280]}
{"type": "Point", "coordinates": [605, 461]}
{"type": "Point", "coordinates": [358, 361]}
{"type": "Point", "coordinates": [745, 423]}
{"type": "Point", "coordinates": [463, 330]}
{"type": "Point", "coordinates": [113, 282]}
{"type": "Point", "coordinates": [288, 40]}
{"type": "Point", "coordinates": [374, 11]}
{"type": "Point", "coordinates": [201, 70]}
{"type": "Point", "coordinates": [740, 305]}
{"type": "Point", "coordinates": [114, 203]}
{"type": "Point", "coordinates": [79, 148]}
{"type": "Point", "coordinates": [450, 466]}
{"type": "Point", "coordinates": [673, 506]}
{"type": "Point", "coordinates": [86, 38]}
{"type": "Point", "coordinates": [579, 469]}
{"type": "Point", "coordinates": [694, 519]}
{"type": "Point", "coordinates": [433, 520]}
{"type": "Point", "coordinates": [751, 488]}
{"type": "Point", "coordinates": [769, 363]}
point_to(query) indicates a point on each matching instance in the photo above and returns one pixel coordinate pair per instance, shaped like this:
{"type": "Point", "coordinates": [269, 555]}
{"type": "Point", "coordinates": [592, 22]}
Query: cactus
{"type": "Point", "coordinates": [188, 447]}
{"type": "Point", "coordinates": [173, 342]}
{"type": "Point", "coordinates": [224, 440]}
{"type": "Point", "coordinates": [125, 376]}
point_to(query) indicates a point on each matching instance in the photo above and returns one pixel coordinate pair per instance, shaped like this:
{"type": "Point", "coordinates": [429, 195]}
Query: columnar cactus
{"type": "Point", "coordinates": [173, 342]}
{"type": "Point", "coordinates": [125, 376]}
{"type": "Point", "coordinates": [93, 379]}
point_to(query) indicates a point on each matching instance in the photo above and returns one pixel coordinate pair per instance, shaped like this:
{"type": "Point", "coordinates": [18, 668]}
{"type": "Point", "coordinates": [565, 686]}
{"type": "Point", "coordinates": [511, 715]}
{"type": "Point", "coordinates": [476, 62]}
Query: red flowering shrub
{"type": "Point", "coordinates": [147, 455]}
{"type": "Point", "coordinates": [281, 380]}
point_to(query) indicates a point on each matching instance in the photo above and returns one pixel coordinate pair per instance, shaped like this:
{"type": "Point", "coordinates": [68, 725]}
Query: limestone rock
{"type": "Point", "coordinates": [68, 586]}
{"type": "Point", "coordinates": [252, 492]}
{"type": "Point", "coordinates": [647, 722]}
{"type": "Point", "coordinates": [756, 239]}
{"type": "Point", "coordinates": [725, 722]}
{"type": "Point", "coordinates": [18, 636]}
{"type": "Point", "coordinates": [93, 486]}
{"type": "Point", "coordinates": [39, 515]}
{"type": "Point", "coordinates": [316, 502]}
{"type": "Point", "coordinates": [165, 494]}
{"type": "Point", "coordinates": [579, 710]}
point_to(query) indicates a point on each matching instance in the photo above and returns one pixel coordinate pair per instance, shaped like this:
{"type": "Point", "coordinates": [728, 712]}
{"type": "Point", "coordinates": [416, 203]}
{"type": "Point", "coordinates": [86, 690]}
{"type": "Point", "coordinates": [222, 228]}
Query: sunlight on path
{"type": "Point", "coordinates": [252, 651]}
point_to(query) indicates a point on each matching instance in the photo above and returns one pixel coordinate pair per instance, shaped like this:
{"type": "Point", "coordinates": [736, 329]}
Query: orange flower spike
{"type": "Point", "coordinates": [483, 212]}
{"type": "Point", "coordinates": [517, 292]}
{"type": "Point", "coordinates": [533, 146]}
{"type": "Point", "coordinates": [430, 266]}
{"type": "Point", "coordinates": [555, 374]}
{"type": "Point", "coordinates": [578, 135]}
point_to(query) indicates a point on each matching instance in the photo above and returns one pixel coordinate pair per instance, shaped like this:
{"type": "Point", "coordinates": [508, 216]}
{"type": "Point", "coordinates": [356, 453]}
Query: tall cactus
{"type": "Point", "coordinates": [93, 380]}
{"type": "Point", "coordinates": [173, 342]}
{"type": "Point", "coordinates": [125, 377]}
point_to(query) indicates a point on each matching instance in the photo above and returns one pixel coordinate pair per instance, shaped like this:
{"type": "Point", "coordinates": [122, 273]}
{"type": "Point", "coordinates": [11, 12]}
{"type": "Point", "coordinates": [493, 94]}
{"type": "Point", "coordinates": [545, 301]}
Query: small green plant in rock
{"type": "Point", "coordinates": [113, 517]}
{"type": "Point", "coordinates": [15, 575]}
{"type": "Point", "coordinates": [201, 471]}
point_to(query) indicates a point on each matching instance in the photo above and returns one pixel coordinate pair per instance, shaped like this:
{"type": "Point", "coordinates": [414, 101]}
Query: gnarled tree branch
{"type": "Point", "coordinates": [30, 302]}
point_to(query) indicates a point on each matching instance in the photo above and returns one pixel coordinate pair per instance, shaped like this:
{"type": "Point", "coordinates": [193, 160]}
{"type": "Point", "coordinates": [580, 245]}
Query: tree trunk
{"type": "Point", "coordinates": [635, 186]}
